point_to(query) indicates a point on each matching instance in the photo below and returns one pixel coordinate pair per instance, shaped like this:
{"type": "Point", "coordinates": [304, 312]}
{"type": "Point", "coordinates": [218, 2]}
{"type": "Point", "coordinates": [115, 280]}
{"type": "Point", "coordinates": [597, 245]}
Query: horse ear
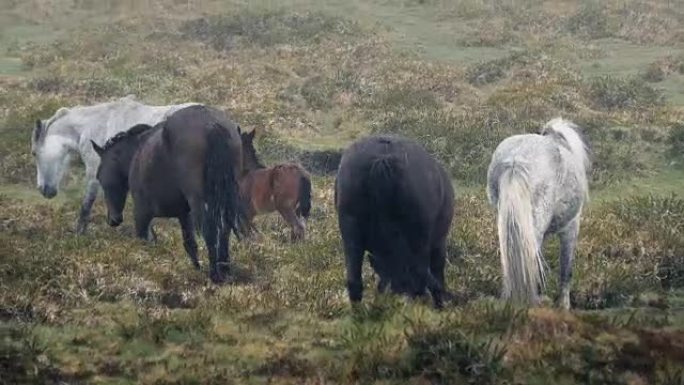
{"type": "Point", "coordinates": [97, 148]}
{"type": "Point", "coordinates": [251, 134]}
{"type": "Point", "coordinates": [239, 130]}
{"type": "Point", "coordinates": [37, 130]}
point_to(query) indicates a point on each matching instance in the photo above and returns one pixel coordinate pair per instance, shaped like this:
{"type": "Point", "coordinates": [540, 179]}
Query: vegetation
{"type": "Point", "coordinates": [458, 76]}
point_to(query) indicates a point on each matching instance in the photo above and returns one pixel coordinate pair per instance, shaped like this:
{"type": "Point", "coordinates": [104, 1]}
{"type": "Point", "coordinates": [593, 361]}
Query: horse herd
{"type": "Point", "coordinates": [394, 201]}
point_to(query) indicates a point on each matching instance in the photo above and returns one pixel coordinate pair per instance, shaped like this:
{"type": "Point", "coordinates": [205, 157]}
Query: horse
{"type": "Point", "coordinates": [396, 202]}
{"type": "Point", "coordinates": [186, 167]}
{"type": "Point", "coordinates": [285, 187]}
{"type": "Point", "coordinates": [538, 184]}
{"type": "Point", "coordinates": [72, 129]}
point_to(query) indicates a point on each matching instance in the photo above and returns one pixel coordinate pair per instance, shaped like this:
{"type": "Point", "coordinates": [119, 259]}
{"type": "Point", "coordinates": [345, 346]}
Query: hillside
{"type": "Point", "coordinates": [310, 76]}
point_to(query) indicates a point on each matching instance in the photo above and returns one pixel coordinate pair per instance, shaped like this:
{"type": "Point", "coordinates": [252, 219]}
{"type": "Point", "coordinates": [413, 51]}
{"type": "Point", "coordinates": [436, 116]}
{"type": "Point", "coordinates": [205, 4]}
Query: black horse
{"type": "Point", "coordinates": [396, 202]}
{"type": "Point", "coordinates": [186, 167]}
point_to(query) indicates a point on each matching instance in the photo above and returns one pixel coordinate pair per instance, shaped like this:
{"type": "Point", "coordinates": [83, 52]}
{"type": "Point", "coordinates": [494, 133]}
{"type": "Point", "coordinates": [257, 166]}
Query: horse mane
{"type": "Point", "coordinates": [60, 113]}
{"type": "Point", "coordinates": [568, 134]}
{"type": "Point", "coordinates": [131, 132]}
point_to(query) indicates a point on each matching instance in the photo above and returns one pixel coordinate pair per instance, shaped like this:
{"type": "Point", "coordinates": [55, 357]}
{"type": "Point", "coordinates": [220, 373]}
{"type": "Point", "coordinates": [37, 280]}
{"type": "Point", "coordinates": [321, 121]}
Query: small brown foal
{"type": "Point", "coordinates": [284, 187]}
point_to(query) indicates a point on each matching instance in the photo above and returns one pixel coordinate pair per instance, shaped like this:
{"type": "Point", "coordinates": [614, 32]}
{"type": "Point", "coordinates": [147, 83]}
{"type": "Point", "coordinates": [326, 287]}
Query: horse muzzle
{"type": "Point", "coordinates": [48, 192]}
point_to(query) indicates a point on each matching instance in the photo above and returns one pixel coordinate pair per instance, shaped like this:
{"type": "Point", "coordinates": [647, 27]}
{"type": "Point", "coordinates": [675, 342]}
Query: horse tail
{"type": "Point", "coordinates": [304, 198]}
{"type": "Point", "coordinates": [384, 175]}
{"type": "Point", "coordinates": [521, 260]}
{"type": "Point", "coordinates": [221, 189]}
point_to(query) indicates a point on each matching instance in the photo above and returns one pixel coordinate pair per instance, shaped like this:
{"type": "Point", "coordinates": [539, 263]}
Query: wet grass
{"type": "Point", "coordinates": [311, 77]}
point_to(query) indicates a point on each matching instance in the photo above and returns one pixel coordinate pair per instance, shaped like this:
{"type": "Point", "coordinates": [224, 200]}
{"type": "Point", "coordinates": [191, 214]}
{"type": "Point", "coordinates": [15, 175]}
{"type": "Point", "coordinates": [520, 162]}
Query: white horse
{"type": "Point", "coordinates": [538, 183]}
{"type": "Point", "coordinates": [72, 129]}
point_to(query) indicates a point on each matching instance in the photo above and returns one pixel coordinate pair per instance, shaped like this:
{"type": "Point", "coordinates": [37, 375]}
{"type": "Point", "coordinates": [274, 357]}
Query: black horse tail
{"type": "Point", "coordinates": [304, 199]}
{"type": "Point", "coordinates": [221, 189]}
{"type": "Point", "coordinates": [384, 176]}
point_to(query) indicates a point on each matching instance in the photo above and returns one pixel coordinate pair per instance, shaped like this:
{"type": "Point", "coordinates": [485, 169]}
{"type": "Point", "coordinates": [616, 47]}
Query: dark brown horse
{"type": "Point", "coordinates": [186, 167]}
{"type": "Point", "coordinates": [396, 202]}
{"type": "Point", "coordinates": [284, 187]}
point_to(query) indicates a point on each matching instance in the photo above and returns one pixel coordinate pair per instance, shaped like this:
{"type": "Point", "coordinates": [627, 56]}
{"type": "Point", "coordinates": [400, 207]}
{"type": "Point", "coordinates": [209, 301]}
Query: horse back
{"type": "Point", "coordinates": [185, 138]}
{"type": "Point", "coordinates": [255, 187]}
{"type": "Point", "coordinates": [276, 186]}
{"type": "Point", "coordinates": [391, 179]}
{"type": "Point", "coordinates": [169, 166]}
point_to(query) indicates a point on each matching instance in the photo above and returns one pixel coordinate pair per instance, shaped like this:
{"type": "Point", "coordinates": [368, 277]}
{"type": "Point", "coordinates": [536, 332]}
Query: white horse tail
{"type": "Point", "coordinates": [521, 260]}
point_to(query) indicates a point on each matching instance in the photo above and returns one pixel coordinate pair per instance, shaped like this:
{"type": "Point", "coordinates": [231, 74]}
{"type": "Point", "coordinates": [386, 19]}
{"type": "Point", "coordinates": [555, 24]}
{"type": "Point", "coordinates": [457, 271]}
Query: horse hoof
{"type": "Point", "coordinates": [449, 296]}
{"type": "Point", "coordinates": [438, 304]}
{"type": "Point", "coordinates": [564, 304]}
{"type": "Point", "coordinates": [217, 278]}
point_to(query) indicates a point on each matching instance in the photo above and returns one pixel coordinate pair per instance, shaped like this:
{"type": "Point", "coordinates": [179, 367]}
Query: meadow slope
{"type": "Point", "coordinates": [311, 76]}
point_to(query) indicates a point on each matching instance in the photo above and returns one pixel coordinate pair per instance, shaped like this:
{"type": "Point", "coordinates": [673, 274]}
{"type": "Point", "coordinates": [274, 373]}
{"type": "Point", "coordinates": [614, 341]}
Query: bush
{"type": "Point", "coordinates": [675, 141]}
{"type": "Point", "coordinates": [654, 73]}
{"type": "Point", "coordinates": [266, 28]}
{"type": "Point", "coordinates": [629, 247]}
{"type": "Point", "coordinates": [320, 92]}
{"type": "Point", "coordinates": [463, 142]}
{"type": "Point", "coordinates": [616, 155]}
{"type": "Point", "coordinates": [23, 359]}
{"type": "Point", "coordinates": [446, 354]}
{"type": "Point", "coordinates": [493, 70]}
{"type": "Point", "coordinates": [613, 93]}
{"type": "Point", "coordinates": [590, 21]}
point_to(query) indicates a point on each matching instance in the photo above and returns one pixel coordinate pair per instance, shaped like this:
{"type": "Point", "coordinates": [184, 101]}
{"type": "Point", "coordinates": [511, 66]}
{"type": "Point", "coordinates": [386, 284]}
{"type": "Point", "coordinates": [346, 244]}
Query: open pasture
{"type": "Point", "coordinates": [310, 76]}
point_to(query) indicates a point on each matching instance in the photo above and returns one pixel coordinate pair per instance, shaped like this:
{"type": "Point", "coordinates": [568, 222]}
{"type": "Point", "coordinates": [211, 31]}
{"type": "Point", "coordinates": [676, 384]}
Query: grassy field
{"type": "Point", "coordinates": [311, 76]}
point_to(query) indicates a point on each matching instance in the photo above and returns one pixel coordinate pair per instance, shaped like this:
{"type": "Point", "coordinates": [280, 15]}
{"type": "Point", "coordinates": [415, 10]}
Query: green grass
{"type": "Point", "coordinates": [665, 182]}
{"type": "Point", "coordinates": [313, 76]}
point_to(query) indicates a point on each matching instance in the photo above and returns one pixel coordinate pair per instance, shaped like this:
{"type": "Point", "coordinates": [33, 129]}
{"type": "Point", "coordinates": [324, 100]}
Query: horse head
{"type": "Point", "coordinates": [51, 153]}
{"type": "Point", "coordinates": [250, 159]}
{"type": "Point", "coordinates": [113, 182]}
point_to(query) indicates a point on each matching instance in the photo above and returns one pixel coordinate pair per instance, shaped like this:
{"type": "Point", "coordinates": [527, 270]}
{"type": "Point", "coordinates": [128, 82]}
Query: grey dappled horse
{"type": "Point", "coordinates": [538, 183]}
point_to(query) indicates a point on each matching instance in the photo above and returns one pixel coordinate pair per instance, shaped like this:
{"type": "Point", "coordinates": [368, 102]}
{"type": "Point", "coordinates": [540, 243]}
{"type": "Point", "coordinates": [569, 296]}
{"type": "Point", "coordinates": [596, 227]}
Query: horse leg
{"type": "Point", "coordinates": [210, 233]}
{"type": "Point", "coordinates": [188, 230]}
{"type": "Point", "coordinates": [143, 222]}
{"type": "Point", "coordinates": [213, 233]}
{"type": "Point", "coordinates": [437, 265]}
{"type": "Point", "coordinates": [424, 277]}
{"type": "Point", "coordinates": [151, 234]}
{"type": "Point", "coordinates": [568, 240]}
{"type": "Point", "coordinates": [290, 217]}
{"type": "Point", "coordinates": [87, 203]}
{"type": "Point", "coordinates": [380, 271]}
{"type": "Point", "coordinates": [353, 253]}
{"type": "Point", "coordinates": [223, 264]}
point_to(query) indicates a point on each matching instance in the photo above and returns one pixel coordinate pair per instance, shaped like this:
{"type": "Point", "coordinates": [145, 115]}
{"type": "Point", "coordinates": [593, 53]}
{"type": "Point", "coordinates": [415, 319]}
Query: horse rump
{"type": "Point", "coordinates": [384, 211]}
{"type": "Point", "coordinates": [383, 182]}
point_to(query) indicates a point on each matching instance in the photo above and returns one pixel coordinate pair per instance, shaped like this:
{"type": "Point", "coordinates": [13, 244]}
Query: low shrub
{"type": "Point", "coordinates": [675, 141]}
{"type": "Point", "coordinates": [266, 28]}
{"type": "Point", "coordinates": [590, 22]}
{"type": "Point", "coordinates": [446, 354]}
{"type": "Point", "coordinates": [615, 93]}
